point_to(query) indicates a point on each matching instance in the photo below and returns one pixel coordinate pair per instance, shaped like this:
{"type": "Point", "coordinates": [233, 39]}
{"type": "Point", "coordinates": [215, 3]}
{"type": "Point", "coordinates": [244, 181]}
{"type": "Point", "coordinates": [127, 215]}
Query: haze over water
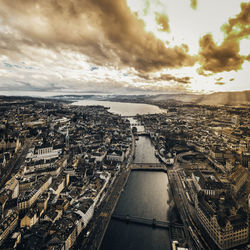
{"type": "Point", "coordinates": [122, 108]}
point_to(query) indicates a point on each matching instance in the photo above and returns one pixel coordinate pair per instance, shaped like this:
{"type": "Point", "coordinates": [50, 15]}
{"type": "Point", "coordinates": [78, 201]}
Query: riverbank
{"type": "Point", "coordinates": [100, 221]}
{"type": "Point", "coordinates": [104, 213]}
{"type": "Point", "coordinates": [144, 196]}
{"type": "Point", "coordinates": [122, 183]}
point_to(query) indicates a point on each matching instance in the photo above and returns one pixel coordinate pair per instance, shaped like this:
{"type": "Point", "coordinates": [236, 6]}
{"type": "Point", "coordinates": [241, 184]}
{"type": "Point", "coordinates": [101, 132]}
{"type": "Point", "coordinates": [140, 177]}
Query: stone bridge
{"type": "Point", "coordinates": [148, 166]}
{"type": "Point", "coordinates": [145, 221]}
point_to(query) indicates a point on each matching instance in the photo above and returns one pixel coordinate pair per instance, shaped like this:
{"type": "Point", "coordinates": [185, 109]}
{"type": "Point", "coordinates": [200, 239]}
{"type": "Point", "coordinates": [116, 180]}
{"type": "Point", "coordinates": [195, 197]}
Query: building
{"type": "Point", "coordinates": [58, 184]}
{"type": "Point", "coordinates": [238, 178]}
{"type": "Point", "coordinates": [207, 183]}
{"type": "Point", "coordinates": [13, 185]}
{"type": "Point", "coordinates": [227, 231]}
{"type": "Point", "coordinates": [3, 199]}
{"type": "Point", "coordinates": [30, 219]}
{"type": "Point", "coordinates": [64, 234]}
{"type": "Point", "coordinates": [8, 224]}
{"type": "Point", "coordinates": [245, 159]}
{"type": "Point", "coordinates": [216, 153]}
{"type": "Point", "coordinates": [44, 152]}
{"type": "Point", "coordinates": [115, 155]}
{"type": "Point", "coordinates": [27, 198]}
{"type": "Point", "coordinates": [9, 143]}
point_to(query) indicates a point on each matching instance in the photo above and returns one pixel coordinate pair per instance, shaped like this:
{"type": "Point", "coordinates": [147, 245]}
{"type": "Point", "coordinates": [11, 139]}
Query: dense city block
{"type": "Point", "coordinates": [64, 166]}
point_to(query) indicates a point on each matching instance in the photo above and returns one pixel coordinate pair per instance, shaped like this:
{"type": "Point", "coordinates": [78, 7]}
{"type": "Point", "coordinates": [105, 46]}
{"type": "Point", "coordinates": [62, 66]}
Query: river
{"type": "Point", "coordinates": [146, 193]}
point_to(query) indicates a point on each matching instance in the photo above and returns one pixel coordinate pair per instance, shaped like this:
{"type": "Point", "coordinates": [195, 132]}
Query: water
{"type": "Point", "coordinates": [144, 151]}
{"type": "Point", "coordinates": [124, 109]}
{"type": "Point", "coordinates": [145, 195]}
{"type": "Point", "coordinates": [135, 237]}
{"type": "Point", "coordinates": [144, 185]}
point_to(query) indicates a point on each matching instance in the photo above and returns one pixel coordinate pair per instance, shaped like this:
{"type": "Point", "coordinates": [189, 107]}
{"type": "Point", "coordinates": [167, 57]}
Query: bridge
{"type": "Point", "coordinates": [148, 166]}
{"type": "Point", "coordinates": [145, 221]}
{"type": "Point", "coordinates": [135, 123]}
{"type": "Point", "coordinates": [142, 133]}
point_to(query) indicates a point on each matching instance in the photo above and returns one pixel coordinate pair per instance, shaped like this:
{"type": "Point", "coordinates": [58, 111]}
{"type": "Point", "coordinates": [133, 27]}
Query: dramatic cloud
{"type": "Point", "coordinates": [166, 78]}
{"type": "Point", "coordinates": [123, 45]}
{"type": "Point", "coordinates": [105, 31]}
{"type": "Point", "coordinates": [226, 57]}
{"type": "Point", "coordinates": [162, 20]}
{"type": "Point", "coordinates": [239, 27]}
{"type": "Point", "coordinates": [221, 58]}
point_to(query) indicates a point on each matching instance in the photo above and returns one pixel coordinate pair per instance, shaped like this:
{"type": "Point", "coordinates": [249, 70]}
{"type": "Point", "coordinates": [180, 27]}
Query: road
{"type": "Point", "coordinates": [99, 223]}
{"type": "Point", "coordinates": [192, 227]}
{"type": "Point", "coordinates": [179, 201]}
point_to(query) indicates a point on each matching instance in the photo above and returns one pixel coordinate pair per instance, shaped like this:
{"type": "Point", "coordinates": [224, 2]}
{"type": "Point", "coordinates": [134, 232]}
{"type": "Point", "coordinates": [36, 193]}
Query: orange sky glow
{"type": "Point", "coordinates": [119, 46]}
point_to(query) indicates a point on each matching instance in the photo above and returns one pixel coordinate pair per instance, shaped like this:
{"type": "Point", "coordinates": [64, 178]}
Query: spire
{"type": "Point", "coordinates": [67, 138]}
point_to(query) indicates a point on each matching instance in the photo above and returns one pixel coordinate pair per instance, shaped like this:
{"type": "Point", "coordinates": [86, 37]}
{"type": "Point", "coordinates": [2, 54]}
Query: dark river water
{"type": "Point", "coordinates": [145, 195]}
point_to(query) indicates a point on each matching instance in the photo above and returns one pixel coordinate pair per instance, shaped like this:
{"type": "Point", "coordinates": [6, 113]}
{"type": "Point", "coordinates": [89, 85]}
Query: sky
{"type": "Point", "coordinates": [124, 46]}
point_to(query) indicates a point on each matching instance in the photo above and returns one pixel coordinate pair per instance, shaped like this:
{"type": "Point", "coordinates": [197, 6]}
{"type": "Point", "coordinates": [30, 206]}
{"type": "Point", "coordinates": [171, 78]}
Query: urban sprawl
{"type": "Point", "coordinates": [63, 168]}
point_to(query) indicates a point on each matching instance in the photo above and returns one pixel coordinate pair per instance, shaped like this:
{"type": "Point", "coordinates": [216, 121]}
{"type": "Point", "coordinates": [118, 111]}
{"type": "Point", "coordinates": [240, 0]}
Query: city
{"type": "Point", "coordinates": [64, 167]}
{"type": "Point", "coordinates": [124, 125]}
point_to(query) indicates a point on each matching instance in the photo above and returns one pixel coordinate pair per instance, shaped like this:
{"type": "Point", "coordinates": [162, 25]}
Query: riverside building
{"type": "Point", "coordinates": [225, 225]}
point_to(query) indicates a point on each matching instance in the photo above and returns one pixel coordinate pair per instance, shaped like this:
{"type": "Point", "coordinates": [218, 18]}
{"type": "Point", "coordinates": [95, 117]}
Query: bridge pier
{"type": "Point", "coordinates": [154, 222]}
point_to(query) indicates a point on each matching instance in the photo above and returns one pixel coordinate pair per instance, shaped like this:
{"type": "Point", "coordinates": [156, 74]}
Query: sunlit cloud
{"type": "Point", "coordinates": [122, 46]}
{"type": "Point", "coordinates": [226, 57]}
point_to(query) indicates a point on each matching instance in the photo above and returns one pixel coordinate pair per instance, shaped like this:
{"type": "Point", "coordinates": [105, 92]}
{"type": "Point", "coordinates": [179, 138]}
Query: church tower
{"type": "Point", "coordinates": [67, 139]}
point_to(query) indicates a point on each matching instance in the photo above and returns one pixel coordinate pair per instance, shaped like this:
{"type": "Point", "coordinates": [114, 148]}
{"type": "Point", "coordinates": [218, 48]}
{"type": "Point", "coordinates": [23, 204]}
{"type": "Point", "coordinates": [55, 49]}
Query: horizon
{"type": "Point", "coordinates": [41, 94]}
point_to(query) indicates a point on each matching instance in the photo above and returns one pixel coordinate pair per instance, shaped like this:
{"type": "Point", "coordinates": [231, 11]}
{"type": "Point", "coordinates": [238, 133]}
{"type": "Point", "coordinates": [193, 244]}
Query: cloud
{"type": "Point", "coordinates": [239, 27]}
{"type": "Point", "coordinates": [106, 32]}
{"type": "Point", "coordinates": [226, 57]}
{"type": "Point", "coordinates": [219, 79]}
{"type": "Point", "coordinates": [7, 65]}
{"type": "Point", "coordinates": [166, 78]}
{"type": "Point", "coordinates": [221, 58]}
{"type": "Point", "coordinates": [54, 78]}
{"type": "Point", "coordinates": [162, 20]}
{"type": "Point", "coordinates": [220, 83]}
{"type": "Point", "coordinates": [193, 4]}
{"type": "Point", "coordinates": [53, 84]}
{"type": "Point", "coordinates": [94, 68]}
{"type": "Point", "coordinates": [173, 88]}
